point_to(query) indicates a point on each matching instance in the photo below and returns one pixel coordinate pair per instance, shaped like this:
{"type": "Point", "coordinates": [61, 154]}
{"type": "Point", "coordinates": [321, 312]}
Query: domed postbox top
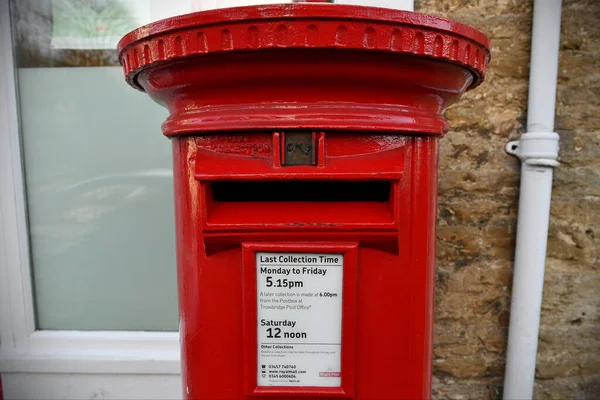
{"type": "Point", "coordinates": [304, 66]}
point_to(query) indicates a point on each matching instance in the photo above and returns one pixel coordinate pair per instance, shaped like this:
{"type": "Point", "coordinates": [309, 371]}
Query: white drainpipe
{"type": "Point", "coordinates": [538, 151]}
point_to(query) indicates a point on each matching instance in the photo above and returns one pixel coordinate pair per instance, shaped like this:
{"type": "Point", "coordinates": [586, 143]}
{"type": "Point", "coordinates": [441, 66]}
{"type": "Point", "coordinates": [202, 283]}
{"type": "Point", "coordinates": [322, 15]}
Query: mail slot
{"type": "Point", "coordinates": [305, 151]}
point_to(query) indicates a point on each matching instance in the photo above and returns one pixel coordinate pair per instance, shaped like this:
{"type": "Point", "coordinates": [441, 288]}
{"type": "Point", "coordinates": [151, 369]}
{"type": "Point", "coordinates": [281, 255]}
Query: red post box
{"type": "Point", "coordinates": [305, 149]}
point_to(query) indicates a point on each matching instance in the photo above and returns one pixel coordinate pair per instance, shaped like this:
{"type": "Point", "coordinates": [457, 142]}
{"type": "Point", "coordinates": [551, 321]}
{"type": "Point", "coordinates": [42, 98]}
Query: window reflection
{"type": "Point", "coordinates": [98, 177]}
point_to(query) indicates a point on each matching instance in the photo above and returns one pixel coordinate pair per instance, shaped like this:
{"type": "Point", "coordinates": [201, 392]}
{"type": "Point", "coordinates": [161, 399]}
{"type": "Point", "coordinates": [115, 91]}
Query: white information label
{"type": "Point", "coordinates": [299, 319]}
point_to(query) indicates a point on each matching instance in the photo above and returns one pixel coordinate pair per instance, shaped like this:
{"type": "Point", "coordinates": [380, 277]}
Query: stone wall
{"type": "Point", "coordinates": [478, 201]}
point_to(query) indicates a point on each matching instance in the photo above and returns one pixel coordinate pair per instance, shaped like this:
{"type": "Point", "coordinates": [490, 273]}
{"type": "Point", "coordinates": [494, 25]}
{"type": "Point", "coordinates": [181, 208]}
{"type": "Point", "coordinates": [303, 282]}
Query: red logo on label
{"type": "Point", "coordinates": [330, 374]}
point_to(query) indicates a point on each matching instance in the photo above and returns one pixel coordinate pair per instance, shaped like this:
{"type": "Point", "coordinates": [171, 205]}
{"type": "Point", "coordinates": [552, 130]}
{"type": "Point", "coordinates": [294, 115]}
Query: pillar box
{"type": "Point", "coordinates": [305, 151]}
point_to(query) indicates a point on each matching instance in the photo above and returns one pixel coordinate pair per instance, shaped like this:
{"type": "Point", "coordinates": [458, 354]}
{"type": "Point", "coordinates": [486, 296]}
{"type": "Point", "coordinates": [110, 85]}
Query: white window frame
{"type": "Point", "coordinates": [23, 349]}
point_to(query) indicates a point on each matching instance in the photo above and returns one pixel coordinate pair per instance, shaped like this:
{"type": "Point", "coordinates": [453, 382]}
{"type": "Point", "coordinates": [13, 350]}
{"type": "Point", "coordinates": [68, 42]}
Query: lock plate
{"type": "Point", "coordinates": [298, 148]}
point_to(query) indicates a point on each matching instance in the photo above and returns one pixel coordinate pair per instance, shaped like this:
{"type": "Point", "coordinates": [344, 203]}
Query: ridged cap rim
{"type": "Point", "coordinates": [250, 29]}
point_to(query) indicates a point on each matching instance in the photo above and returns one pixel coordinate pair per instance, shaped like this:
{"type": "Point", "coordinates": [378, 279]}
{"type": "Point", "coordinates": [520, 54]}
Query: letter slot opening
{"type": "Point", "coordinates": [301, 191]}
{"type": "Point", "coordinates": [299, 204]}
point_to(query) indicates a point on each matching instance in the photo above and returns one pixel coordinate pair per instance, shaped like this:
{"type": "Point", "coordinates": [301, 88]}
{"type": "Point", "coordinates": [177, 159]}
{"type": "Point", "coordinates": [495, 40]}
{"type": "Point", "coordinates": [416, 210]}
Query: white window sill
{"type": "Point", "coordinates": [95, 352]}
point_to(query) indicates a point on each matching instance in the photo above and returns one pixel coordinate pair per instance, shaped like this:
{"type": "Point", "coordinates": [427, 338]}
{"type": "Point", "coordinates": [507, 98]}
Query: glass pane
{"type": "Point", "coordinates": [98, 175]}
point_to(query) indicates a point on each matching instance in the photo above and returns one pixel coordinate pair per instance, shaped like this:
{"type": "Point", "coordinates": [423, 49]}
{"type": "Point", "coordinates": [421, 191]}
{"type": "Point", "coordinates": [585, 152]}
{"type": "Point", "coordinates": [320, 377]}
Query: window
{"type": "Point", "coordinates": [87, 264]}
{"type": "Point", "coordinates": [98, 174]}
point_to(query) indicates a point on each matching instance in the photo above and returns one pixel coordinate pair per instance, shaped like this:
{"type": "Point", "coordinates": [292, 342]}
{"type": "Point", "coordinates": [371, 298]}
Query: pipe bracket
{"type": "Point", "coordinates": [536, 148]}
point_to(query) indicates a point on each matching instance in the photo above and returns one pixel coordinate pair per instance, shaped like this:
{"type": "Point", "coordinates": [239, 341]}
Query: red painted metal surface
{"type": "Point", "coordinates": [252, 68]}
{"type": "Point", "coordinates": [368, 87]}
